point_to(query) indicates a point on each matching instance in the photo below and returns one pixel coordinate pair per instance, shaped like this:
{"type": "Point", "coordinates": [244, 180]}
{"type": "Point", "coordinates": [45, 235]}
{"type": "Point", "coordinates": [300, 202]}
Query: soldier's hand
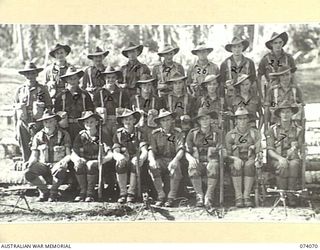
{"type": "Point", "coordinates": [193, 163]}
{"type": "Point", "coordinates": [172, 166]}
{"type": "Point", "coordinates": [238, 163]}
{"type": "Point", "coordinates": [153, 164]}
{"type": "Point", "coordinates": [283, 163]}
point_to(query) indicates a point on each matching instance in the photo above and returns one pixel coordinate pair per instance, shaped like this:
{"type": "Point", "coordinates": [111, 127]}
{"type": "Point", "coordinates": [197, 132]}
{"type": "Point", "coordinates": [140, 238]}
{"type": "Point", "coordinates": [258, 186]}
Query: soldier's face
{"type": "Point", "coordinates": [146, 88]}
{"type": "Point", "coordinates": [132, 54]}
{"type": "Point", "coordinates": [237, 49]}
{"type": "Point", "coordinates": [31, 75]}
{"type": "Point", "coordinates": [73, 81]}
{"type": "Point", "coordinates": [242, 121]}
{"type": "Point", "coordinates": [205, 121]}
{"type": "Point", "coordinates": [203, 54]}
{"type": "Point", "coordinates": [245, 86]}
{"type": "Point", "coordinates": [286, 114]}
{"type": "Point", "coordinates": [277, 44]}
{"type": "Point", "coordinates": [111, 79]}
{"type": "Point", "coordinates": [285, 79]}
{"type": "Point", "coordinates": [168, 56]}
{"type": "Point", "coordinates": [50, 124]}
{"type": "Point", "coordinates": [128, 122]}
{"type": "Point", "coordinates": [97, 60]}
{"type": "Point", "coordinates": [212, 86]}
{"type": "Point", "coordinates": [60, 54]}
{"type": "Point", "coordinates": [166, 122]}
{"type": "Point", "coordinates": [178, 86]}
{"type": "Point", "coordinates": [90, 123]}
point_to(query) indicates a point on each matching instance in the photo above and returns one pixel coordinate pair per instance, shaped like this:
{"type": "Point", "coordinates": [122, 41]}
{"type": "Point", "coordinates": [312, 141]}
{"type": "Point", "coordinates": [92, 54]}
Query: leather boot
{"type": "Point", "coordinates": [82, 181]}
{"type": "Point", "coordinates": [292, 185]}
{"type": "Point", "coordinates": [174, 187]}
{"type": "Point", "coordinates": [237, 184]}
{"type": "Point", "coordinates": [248, 183]}
{"type": "Point", "coordinates": [92, 181]}
{"type": "Point", "coordinates": [157, 182]}
{"type": "Point", "coordinates": [132, 187]}
{"type": "Point", "coordinates": [211, 184]}
{"type": "Point", "coordinates": [197, 185]}
{"type": "Point", "coordinates": [122, 182]}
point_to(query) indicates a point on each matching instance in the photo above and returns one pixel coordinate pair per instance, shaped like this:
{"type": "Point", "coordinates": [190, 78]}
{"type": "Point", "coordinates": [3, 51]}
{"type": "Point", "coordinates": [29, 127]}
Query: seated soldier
{"type": "Point", "coordinates": [49, 157]}
{"type": "Point", "coordinates": [243, 146]}
{"type": "Point", "coordinates": [129, 149]}
{"type": "Point", "coordinates": [167, 149]}
{"type": "Point", "coordinates": [85, 155]}
{"type": "Point", "coordinates": [284, 139]}
{"type": "Point", "coordinates": [202, 145]}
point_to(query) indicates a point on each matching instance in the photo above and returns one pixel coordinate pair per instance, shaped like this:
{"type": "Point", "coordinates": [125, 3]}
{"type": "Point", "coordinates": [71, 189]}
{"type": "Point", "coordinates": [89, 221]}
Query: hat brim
{"type": "Point", "coordinates": [79, 73]}
{"type": "Point", "coordinates": [195, 51]}
{"type": "Point", "coordinates": [117, 72]}
{"type": "Point", "coordinates": [140, 82]}
{"type": "Point", "coordinates": [245, 44]}
{"type": "Point", "coordinates": [103, 53]}
{"type": "Point", "coordinates": [293, 108]}
{"type": "Point", "coordinates": [212, 114]}
{"type": "Point", "coordinates": [175, 50]}
{"type": "Point", "coordinates": [283, 36]}
{"type": "Point", "coordinates": [279, 73]}
{"type": "Point", "coordinates": [181, 78]}
{"type": "Point", "coordinates": [24, 71]}
{"type": "Point", "coordinates": [82, 119]}
{"type": "Point", "coordinates": [157, 119]}
{"type": "Point", "coordinates": [58, 118]}
{"type": "Point", "coordinates": [216, 78]}
{"type": "Point", "coordinates": [135, 114]}
{"type": "Point", "coordinates": [241, 81]}
{"type": "Point", "coordinates": [138, 47]}
{"type": "Point", "coordinates": [67, 48]}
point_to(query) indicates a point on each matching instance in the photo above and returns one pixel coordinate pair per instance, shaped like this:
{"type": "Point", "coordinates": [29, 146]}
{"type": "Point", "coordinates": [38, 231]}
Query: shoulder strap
{"type": "Point", "coordinates": [185, 103]}
{"type": "Point", "coordinates": [63, 97]}
{"type": "Point", "coordinates": [83, 101]}
{"type": "Point", "coordinates": [89, 75]}
{"type": "Point", "coordinates": [137, 101]}
{"type": "Point", "coordinates": [170, 103]}
{"type": "Point", "coordinates": [229, 68]}
{"type": "Point", "coordinates": [101, 98]}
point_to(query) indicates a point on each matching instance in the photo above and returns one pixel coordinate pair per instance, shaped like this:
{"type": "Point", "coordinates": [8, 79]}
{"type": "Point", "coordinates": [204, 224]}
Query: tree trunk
{"type": "Point", "coordinates": [57, 32]}
{"type": "Point", "coordinates": [20, 42]}
{"type": "Point", "coordinates": [31, 41]}
{"type": "Point", "coordinates": [87, 37]}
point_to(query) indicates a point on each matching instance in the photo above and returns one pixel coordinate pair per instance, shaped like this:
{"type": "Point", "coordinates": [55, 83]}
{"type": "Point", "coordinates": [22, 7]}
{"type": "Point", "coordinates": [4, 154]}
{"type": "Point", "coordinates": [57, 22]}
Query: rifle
{"type": "Point", "coordinates": [100, 156]}
{"type": "Point", "coordinates": [303, 149]}
{"type": "Point", "coordinates": [139, 193]}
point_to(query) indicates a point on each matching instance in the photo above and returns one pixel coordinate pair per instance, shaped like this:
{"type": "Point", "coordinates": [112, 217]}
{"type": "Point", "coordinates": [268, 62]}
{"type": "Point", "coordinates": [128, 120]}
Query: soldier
{"type": "Point", "coordinates": [179, 101]}
{"type": "Point", "coordinates": [93, 78]}
{"type": "Point", "coordinates": [134, 69]}
{"type": "Point", "coordinates": [203, 67]}
{"type": "Point", "coordinates": [167, 149]}
{"type": "Point", "coordinates": [166, 69]}
{"type": "Point", "coordinates": [282, 89]}
{"type": "Point", "coordinates": [147, 103]}
{"type": "Point", "coordinates": [109, 99]}
{"type": "Point", "coordinates": [275, 58]}
{"type": "Point", "coordinates": [49, 158]}
{"type": "Point", "coordinates": [237, 63]}
{"type": "Point", "coordinates": [246, 98]}
{"type": "Point", "coordinates": [243, 146]}
{"type": "Point", "coordinates": [30, 101]}
{"type": "Point", "coordinates": [202, 146]}
{"type": "Point", "coordinates": [71, 102]}
{"type": "Point", "coordinates": [129, 152]}
{"type": "Point", "coordinates": [58, 68]}
{"type": "Point", "coordinates": [284, 139]}
{"type": "Point", "coordinates": [85, 155]}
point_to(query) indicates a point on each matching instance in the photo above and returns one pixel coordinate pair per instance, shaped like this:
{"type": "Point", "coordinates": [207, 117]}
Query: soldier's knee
{"type": "Point", "coordinates": [213, 169]}
{"type": "Point", "coordinates": [235, 169]}
{"type": "Point", "coordinates": [80, 169]}
{"type": "Point", "coordinates": [249, 168]}
{"type": "Point", "coordinates": [92, 167]}
{"type": "Point", "coordinates": [30, 175]}
{"type": "Point", "coordinates": [155, 173]}
{"type": "Point", "coordinates": [194, 171]}
{"type": "Point", "coordinates": [177, 174]}
{"type": "Point", "coordinates": [294, 166]}
{"type": "Point", "coordinates": [122, 168]}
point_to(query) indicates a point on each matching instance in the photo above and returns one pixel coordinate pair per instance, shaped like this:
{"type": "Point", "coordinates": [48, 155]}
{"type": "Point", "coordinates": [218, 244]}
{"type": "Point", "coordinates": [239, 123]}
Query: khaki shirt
{"type": "Point", "coordinates": [93, 78]}
{"type": "Point", "coordinates": [197, 73]}
{"type": "Point", "coordinates": [162, 73]}
{"type": "Point", "coordinates": [253, 105]}
{"type": "Point", "coordinates": [133, 71]}
{"type": "Point", "coordinates": [184, 104]}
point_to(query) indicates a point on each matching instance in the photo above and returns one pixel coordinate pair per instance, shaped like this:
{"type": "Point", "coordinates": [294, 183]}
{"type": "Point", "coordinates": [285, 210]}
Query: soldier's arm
{"type": "Point", "coordinates": [85, 80]}
{"type": "Point", "coordinates": [89, 103]}
{"type": "Point", "coordinates": [58, 103]}
{"type": "Point", "coordinates": [189, 147]}
{"type": "Point", "coordinates": [271, 148]}
{"type": "Point", "coordinates": [180, 149]}
{"type": "Point", "coordinates": [223, 69]}
{"type": "Point", "coordinates": [47, 98]}
{"type": "Point", "coordinates": [181, 69]}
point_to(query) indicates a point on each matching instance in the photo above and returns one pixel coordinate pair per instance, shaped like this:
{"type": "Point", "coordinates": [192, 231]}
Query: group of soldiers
{"type": "Point", "coordinates": [164, 123]}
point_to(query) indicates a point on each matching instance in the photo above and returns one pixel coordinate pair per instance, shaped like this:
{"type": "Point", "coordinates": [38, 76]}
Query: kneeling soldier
{"type": "Point", "coordinates": [129, 152]}
{"type": "Point", "coordinates": [167, 149]}
{"type": "Point", "coordinates": [202, 145]}
{"type": "Point", "coordinates": [85, 155]}
{"type": "Point", "coordinates": [243, 145]}
{"type": "Point", "coordinates": [283, 143]}
{"type": "Point", "coordinates": [49, 158]}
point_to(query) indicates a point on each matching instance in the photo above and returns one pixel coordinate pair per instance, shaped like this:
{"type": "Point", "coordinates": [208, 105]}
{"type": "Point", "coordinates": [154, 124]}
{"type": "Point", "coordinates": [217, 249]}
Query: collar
{"type": "Point", "coordinates": [207, 64]}
{"type": "Point", "coordinates": [65, 65]}
{"type": "Point", "coordinates": [55, 132]}
{"type": "Point", "coordinates": [281, 54]}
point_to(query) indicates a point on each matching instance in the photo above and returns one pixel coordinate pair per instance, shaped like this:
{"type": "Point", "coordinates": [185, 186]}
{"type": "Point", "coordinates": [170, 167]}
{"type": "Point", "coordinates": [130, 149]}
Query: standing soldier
{"type": "Point", "coordinates": [93, 79]}
{"type": "Point", "coordinates": [51, 148]}
{"type": "Point", "coordinates": [130, 151]}
{"type": "Point", "coordinates": [30, 101]}
{"type": "Point", "coordinates": [275, 58]}
{"type": "Point", "coordinates": [202, 145]}
{"type": "Point", "coordinates": [85, 155]}
{"type": "Point", "coordinates": [237, 63]}
{"type": "Point", "coordinates": [243, 146]}
{"type": "Point", "coordinates": [179, 101]}
{"type": "Point", "coordinates": [166, 69]}
{"type": "Point", "coordinates": [109, 99]}
{"type": "Point", "coordinates": [284, 140]}
{"type": "Point", "coordinates": [71, 102]}
{"type": "Point", "coordinates": [203, 67]}
{"type": "Point", "coordinates": [58, 68]}
{"type": "Point", "coordinates": [167, 149]}
{"type": "Point", "coordinates": [134, 69]}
